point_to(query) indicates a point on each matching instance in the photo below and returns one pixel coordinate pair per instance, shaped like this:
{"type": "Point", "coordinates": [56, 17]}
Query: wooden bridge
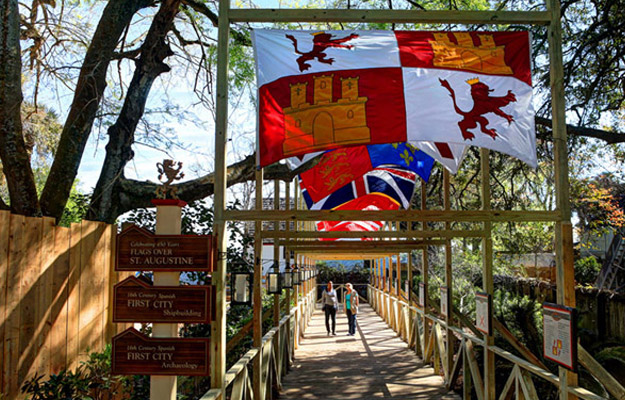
{"type": "Point", "coordinates": [374, 364]}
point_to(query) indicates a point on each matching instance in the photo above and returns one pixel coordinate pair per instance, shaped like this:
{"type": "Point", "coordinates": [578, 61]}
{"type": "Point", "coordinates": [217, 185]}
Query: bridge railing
{"type": "Point", "coordinates": [423, 332]}
{"type": "Point", "coordinates": [276, 352]}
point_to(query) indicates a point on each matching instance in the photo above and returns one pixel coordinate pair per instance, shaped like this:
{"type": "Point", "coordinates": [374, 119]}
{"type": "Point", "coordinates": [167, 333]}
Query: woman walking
{"type": "Point", "coordinates": [330, 304]}
{"type": "Point", "coordinates": [351, 308]}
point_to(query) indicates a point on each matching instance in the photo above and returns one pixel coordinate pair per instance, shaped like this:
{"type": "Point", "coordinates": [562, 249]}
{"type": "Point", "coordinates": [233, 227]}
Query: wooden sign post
{"type": "Point", "coordinates": [168, 222]}
{"type": "Point", "coordinates": [164, 303]}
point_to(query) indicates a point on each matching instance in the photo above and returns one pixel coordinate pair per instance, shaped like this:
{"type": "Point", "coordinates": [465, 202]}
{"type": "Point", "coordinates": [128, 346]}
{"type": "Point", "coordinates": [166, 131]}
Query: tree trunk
{"type": "Point", "coordinates": [90, 87]}
{"type": "Point", "coordinates": [121, 134]}
{"type": "Point", "coordinates": [15, 158]}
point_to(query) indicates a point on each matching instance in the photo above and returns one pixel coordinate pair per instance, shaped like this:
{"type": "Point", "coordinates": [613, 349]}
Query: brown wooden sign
{"type": "Point", "coordinates": [141, 250]}
{"type": "Point", "coordinates": [137, 301]}
{"type": "Point", "coordinates": [137, 354]}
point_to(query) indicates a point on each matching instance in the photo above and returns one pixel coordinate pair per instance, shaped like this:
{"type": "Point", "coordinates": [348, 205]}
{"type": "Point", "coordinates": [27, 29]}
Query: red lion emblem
{"type": "Point", "coordinates": [483, 103]}
{"type": "Point", "coordinates": [321, 42]}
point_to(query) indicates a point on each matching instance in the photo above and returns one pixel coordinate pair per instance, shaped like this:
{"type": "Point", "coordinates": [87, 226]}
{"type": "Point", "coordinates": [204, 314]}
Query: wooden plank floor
{"type": "Point", "coordinates": [374, 364]}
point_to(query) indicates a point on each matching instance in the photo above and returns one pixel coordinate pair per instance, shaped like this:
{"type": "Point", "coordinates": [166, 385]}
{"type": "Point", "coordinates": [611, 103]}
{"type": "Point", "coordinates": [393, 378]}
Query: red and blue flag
{"type": "Point", "coordinates": [339, 167]}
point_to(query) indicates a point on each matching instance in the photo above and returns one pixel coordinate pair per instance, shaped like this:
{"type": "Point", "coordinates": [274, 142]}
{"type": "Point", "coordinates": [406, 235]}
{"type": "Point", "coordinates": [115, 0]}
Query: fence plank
{"type": "Point", "coordinates": [73, 299]}
{"type": "Point", "coordinates": [44, 306]}
{"type": "Point", "coordinates": [60, 291]}
{"type": "Point", "coordinates": [12, 323]}
{"type": "Point", "coordinates": [5, 221]}
{"type": "Point", "coordinates": [30, 285]}
{"type": "Point", "coordinates": [91, 284]}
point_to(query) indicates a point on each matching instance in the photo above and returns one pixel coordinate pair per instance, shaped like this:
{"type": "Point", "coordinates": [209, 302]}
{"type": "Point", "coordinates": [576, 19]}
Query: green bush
{"type": "Point", "coordinates": [586, 270]}
{"type": "Point", "coordinates": [92, 380]}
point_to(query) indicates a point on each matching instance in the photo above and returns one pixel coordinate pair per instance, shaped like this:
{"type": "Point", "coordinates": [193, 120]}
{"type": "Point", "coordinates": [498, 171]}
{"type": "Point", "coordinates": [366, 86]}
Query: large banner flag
{"type": "Point", "coordinates": [319, 90]}
{"type": "Point", "coordinates": [393, 183]}
{"type": "Point", "coordinates": [337, 168]}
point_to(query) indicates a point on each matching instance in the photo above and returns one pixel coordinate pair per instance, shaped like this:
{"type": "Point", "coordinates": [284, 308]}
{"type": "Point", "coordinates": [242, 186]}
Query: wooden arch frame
{"type": "Point", "coordinates": [560, 216]}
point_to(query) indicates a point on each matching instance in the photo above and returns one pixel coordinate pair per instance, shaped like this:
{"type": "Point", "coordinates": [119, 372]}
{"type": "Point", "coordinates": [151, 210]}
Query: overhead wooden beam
{"type": "Point", "coordinates": [344, 255]}
{"type": "Point", "coordinates": [395, 215]}
{"type": "Point", "coordinates": [390, 16]}
{"type": "Point", "coordinates": [374, 235]}
{"type": "Point", "coordinates": [385, 246]}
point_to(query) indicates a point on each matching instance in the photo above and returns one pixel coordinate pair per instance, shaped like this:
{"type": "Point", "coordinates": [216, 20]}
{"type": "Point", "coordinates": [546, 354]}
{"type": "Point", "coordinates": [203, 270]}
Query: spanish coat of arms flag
{"type": "Point", "coordinates": [330, 89]}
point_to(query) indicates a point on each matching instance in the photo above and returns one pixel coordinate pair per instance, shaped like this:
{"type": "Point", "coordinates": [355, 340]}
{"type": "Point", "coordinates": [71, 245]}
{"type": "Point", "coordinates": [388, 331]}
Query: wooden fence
{"type": "Point", "coordinates": [55, 296]}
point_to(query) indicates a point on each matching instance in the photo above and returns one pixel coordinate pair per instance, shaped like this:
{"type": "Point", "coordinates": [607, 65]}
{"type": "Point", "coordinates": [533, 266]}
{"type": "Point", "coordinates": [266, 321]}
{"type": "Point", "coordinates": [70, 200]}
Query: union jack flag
{"type": "Point", "coordinates": [394, 184]}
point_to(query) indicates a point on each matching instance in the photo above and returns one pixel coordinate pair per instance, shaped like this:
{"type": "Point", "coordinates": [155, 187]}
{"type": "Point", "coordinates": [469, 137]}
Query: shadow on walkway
{"type": "Point", "coordinates": [374, 364]}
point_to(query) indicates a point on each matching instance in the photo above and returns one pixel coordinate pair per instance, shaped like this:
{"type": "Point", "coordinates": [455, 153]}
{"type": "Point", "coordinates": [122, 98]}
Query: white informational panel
{"type": "Point", "coordinates": [421, 294]}
{"type": "Point", "coordinates": [560, 334]}
{"type": "Point", "coordinates": [444, 301]}
{"type": "Point", "coordinates": [483, 312]}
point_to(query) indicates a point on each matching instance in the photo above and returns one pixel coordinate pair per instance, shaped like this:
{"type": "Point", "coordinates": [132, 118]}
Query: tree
{"type": "Point", "coordinates": [147, 46]}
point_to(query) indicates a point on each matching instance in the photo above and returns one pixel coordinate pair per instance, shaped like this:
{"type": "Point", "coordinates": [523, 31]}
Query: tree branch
{"type": "Point", "coordinates": [131, 54]}
{"type": "Point", "coordinates": [572, 130]}
{"type": "Point", "coordinates": [239, 37]}
{"type": "Point", "coordinates": [137, 194]}
{"type": "Point", "coordinates": [87, 96]}
{"type": "Point", "coordinates": [149, 66]}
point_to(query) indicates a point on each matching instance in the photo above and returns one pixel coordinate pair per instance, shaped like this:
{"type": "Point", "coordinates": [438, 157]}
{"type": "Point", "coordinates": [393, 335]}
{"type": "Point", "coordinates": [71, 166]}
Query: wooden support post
{"type": "Point", "coordinates": [449, 354]}
{"type": "Point", "coordinates": [376, 265]}
{"type": "Point", "coordinates": [276, 253]}
{"type": "Point", "coordinates": [424, 269]}
{"type": "Point", "coordinates": [287, 251]}
{"type": "Point", "coordinates": [383, 268]}
{"type": "Point", "coordinates": [168, 222]}
{"type": "Point", "coordinates": [409, 294]}
{"type": "Point", "coordinates": [467, 382]}
{"type": "Point", "coordinates": [218, 327]}
{"type": "Point", "coordinates": [565, 288]}
{"type": "Point", "coordinates": [487, 275]}
{"type": "Point", "coordinates": [257, 303]}
{"type": "Point", "coordinates": [398, 269]}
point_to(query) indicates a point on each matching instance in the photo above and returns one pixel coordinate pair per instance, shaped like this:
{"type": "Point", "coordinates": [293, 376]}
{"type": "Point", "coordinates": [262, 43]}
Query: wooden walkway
{"type": "Point", "coordinates": [374, 364]}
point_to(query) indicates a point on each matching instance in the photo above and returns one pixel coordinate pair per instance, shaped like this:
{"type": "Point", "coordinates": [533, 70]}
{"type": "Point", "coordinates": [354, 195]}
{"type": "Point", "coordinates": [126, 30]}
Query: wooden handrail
{"type": "Point", "coordinates": [585, 359]}
{"type": "Point", "coordinates": [241, 365]}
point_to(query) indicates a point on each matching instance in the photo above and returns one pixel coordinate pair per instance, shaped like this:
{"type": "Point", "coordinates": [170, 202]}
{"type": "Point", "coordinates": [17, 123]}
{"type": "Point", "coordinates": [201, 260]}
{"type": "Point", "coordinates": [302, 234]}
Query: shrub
{"type": "Point", "coordinates": [586, 270]}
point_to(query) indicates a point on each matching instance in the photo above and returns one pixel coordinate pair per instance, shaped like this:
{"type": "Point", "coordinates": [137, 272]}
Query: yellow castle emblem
{"type": "Point", "coordinates": [487, 57]}
{"type": "Point", "coordinates": [314, 126]}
